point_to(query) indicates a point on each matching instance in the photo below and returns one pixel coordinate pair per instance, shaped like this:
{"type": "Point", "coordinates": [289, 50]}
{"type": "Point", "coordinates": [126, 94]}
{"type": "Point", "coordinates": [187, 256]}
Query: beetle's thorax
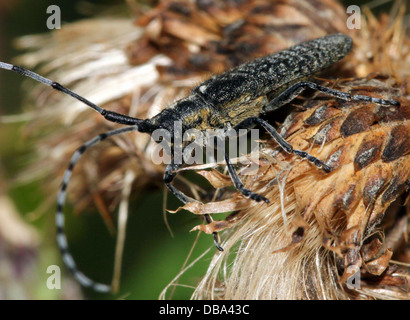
{"type": "Point", "coordinates": [192, 112]}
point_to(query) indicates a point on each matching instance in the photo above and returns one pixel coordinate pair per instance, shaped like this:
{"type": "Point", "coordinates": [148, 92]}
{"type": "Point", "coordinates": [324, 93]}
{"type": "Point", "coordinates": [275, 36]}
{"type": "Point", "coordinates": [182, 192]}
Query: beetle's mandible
{"type": "Point", "coordinates": [234, 99]}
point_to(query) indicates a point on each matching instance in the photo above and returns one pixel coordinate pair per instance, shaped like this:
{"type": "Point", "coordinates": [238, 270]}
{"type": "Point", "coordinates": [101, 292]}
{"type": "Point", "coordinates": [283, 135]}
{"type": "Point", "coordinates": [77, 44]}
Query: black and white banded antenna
{"type": "Point", "coordinates": [133, 124]}
{"type": "Point", "coordinates": [144, 125]}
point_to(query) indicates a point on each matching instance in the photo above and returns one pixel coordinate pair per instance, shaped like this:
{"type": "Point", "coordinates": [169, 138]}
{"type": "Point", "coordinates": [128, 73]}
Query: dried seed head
{"type": "Point", "coordinates": [203, 38]}
{"type": "Point", "coordinates": [382, 45]}
{"type": "Point", "coordinates": [319, 227]}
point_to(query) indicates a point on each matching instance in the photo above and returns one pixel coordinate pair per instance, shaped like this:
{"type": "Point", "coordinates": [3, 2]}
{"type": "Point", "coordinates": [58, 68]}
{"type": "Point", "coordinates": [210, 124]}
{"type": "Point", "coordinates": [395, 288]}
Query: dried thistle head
{"type": "Point", "coordinates": [319, 227]}
{"type": "Point", "coordinates": [382, 45]}
{"type": "Point", "coordinates": [322, 229]}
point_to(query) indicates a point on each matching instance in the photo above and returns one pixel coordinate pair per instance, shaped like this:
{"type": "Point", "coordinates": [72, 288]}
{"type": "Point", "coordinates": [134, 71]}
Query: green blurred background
{"type": "Point", "coordinates": [152, 258]}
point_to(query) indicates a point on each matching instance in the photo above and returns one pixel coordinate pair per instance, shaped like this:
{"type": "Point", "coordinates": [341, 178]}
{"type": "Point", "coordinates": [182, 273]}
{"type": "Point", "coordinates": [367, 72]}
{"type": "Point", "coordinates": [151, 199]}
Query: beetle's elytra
{"type": "Point", "coordinates": [234, 99]}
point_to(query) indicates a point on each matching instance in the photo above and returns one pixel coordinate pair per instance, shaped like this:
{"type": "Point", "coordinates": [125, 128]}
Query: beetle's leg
{"type": "Point", "coordinates": [293, 91]}
{"type": "Point", "coordinates": [208, 219]}
{"type": "Point", "coordinates": [169, 175]}
{"type": "Point", "coordinates": [239, 186]}
{"type": "Point", "coordinates": [238, 183]}
{"type": "Point", "coordinates": [250, 122]}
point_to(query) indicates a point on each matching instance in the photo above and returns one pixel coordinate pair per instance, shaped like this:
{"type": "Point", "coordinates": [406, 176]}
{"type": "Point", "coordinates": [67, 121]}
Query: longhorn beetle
{"type": "Point", "coordinates": [234, 99]}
